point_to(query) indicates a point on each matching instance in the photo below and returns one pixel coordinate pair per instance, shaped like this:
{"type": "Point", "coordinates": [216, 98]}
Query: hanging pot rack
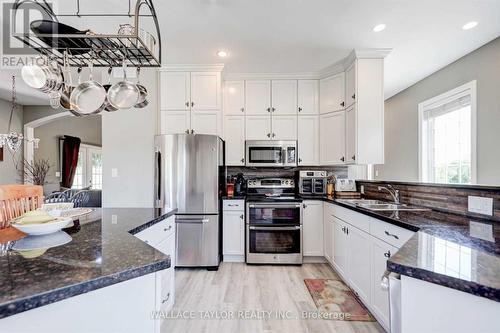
{"type": "Point", "coordinates": [110, 49]}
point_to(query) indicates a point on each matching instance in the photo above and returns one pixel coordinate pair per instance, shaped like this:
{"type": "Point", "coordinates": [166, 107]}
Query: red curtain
{"type": "Point", "coordinates": [71, 147]}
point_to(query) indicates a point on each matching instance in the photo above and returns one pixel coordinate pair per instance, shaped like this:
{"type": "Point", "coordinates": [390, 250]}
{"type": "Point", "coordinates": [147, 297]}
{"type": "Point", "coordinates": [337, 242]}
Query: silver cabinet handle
{"type": "Point", "coordinates": [387, 254]}
{"type": "Point", "coordinates": [384, 283]}
{"type": "Point", "coordinates": [242, 160]}
{"type": "Point", "coordinates": [273, 135]}
{"type": "Point", "coordinates": [273, 109]}
{"type": "Point", "coordinates": [300, 109]}
{"type": "Point", "coordinates": [167, 229]}
{"type": "Point", "coordinates": [166, 299]}
{"type": "Point", "coordinates": [392, 235]}
{"type": "Point", "coordinates": [187, 131]}
{"type": "Point", "coordinates": [304, 206]}
{"type": "Point", "coordinates": [242, 109]}
{"type": "Point", "coordinates": [192, 104]}
{"type": "Point", "coordinates": [242, 216]}
{"type": "Point", "coordinates": [268, 135]}
{"type": "Point", "coordinates": [187, 104]}
{"type": "Point", "coordinates": [268, 109]}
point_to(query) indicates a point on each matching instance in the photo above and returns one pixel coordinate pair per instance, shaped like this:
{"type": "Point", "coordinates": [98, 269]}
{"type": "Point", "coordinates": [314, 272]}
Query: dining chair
{"type": "Point", "coordinates": [15, 200]}
{"type": "Point", "coordinates": [57, 197]}
{"type": "Point", "coordinates": [80, 198]}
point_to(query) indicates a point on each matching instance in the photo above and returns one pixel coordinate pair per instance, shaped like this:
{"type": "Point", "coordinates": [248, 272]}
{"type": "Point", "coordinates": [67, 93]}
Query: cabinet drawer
{"type": "Point", "coordinates": [358, 220]}
{"type": "Point", "coordinates": [158, 232]}
{"type": "Point", "coordinates": [233, 205]}
{"type": "Point", "coordinates": [389, 233]}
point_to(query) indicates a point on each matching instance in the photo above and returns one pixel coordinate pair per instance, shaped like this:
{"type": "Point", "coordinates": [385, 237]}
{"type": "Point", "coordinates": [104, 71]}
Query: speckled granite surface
{"type": "Point", "coordinates": [450, 250]}
{"type": "Point", "coordinates": [101, 252]}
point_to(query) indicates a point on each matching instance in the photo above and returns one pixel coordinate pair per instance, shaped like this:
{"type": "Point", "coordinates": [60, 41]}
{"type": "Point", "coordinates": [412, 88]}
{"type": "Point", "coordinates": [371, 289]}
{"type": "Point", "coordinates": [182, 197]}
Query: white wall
{"type": "Point", "coordinates": [401, 116]}
{"type": "Point", "coordinates": [8, 172]}
{"type": "Point", "coordinates": [127, 141]}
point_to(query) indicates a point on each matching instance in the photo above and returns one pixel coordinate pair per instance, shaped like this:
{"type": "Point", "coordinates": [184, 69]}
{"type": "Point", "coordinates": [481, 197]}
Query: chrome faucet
{"type": "Point", "coordinates": [392, 191]}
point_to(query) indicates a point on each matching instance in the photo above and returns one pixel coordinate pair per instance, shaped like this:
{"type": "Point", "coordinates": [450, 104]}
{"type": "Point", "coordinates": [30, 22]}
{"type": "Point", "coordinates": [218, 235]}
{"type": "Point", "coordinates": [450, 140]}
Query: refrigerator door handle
{"type": "Point", "coordinates": [158, 180]}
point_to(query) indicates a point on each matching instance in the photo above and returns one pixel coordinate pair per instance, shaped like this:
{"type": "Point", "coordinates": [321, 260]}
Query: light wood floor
{"type": "Point", "coordinates": [237, 286]}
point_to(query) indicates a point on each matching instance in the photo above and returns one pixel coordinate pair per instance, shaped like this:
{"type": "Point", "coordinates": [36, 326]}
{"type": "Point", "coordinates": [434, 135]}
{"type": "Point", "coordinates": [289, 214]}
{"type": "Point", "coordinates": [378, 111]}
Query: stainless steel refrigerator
{"type": "Point", "coordinates": [189, 176]}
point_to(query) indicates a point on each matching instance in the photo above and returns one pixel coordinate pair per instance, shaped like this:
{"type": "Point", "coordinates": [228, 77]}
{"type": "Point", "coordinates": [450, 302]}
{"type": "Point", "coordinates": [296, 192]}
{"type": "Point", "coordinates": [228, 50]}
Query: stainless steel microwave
{"type": "Point", "coordinates": [271, 153]}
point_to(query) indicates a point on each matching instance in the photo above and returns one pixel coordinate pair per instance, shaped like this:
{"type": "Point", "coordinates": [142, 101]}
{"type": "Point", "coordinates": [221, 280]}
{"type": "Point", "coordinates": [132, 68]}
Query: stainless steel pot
{"type": "Point", "coordinates": [45, 75]}
{"type": "Point", "coordinates": [123, 94]}
{"type": "Point", "coordinates": [143, 92]}
{"type": "Point", "coordinates": [108, 107]}
{"type": "Point", "coordinates": [88, 97]}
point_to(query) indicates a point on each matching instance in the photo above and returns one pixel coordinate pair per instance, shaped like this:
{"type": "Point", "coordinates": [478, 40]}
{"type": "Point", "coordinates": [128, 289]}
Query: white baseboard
{"type": "Point", "coordinates": [233, 258]}
{"type": "Point", "coordinates": [313, 260]}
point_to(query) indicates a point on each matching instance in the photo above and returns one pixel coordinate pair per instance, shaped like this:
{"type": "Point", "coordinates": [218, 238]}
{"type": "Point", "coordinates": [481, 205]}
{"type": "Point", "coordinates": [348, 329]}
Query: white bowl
{"type": "Point", "coordinates": [43, 228]}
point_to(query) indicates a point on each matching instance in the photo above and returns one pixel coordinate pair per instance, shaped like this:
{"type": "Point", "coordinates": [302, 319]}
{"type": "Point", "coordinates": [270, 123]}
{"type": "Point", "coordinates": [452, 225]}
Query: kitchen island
{"type": "Point", "coordinates": [104, 271]}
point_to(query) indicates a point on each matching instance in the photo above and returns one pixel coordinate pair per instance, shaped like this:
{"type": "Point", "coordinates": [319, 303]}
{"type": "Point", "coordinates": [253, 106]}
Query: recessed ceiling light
{"type": "Point", "coordinates": [222, 53]}
{"type": "Point", "coordinates": [379, 27]}
{"type": "Point", "coordinates": [469, 25]}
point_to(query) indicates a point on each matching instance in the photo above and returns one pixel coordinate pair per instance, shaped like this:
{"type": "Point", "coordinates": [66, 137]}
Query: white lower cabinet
{"type": "Point", "coordinates": [233, 231]}
{"type": "Point", "coordinates": [358, 246]}
{"type": "Point", "coordinates": [380, 252]}
{"type": "Point", "coordinates": [313, 228]}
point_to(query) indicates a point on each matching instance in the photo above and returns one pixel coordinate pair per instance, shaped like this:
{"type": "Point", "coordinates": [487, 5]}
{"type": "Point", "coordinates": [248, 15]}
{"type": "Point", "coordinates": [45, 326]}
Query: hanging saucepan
{"type": "Point", "coordinates": [67, 88]}
{"type": "Point", "coordinates": [143, 92]}
{"type": "Point", "coordinates": [44, 75]}
{"type": "Point", "coordinates": [88, 97]}
{"type": "Point", "coordinates": [123, 94]}
{"type": "Point", "coordinates": [108, 107]}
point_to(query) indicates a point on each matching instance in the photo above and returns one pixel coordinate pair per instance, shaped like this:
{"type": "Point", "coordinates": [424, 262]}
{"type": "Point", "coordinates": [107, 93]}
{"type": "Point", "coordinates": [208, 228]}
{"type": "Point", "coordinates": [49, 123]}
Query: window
{"type": "Point", "coordinates": [447, 137]}
{"type": "Point", "coordinates": [89, 168]}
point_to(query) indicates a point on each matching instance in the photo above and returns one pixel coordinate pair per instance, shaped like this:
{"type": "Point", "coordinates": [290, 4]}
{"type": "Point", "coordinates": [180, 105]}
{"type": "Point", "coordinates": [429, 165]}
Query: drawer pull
{"type": "Point", "coordinates": [166, 299]}
{"type": "Point", "coordinates": [241, 216]}
{"type": "Point", "coordinates": [392, 235]}
{"type": "Point", "coordinates": [387, 254]}
{"type": "Point", "coordinates": [167, 229]}
{"type": "Point", "coordinates": [233, 205]}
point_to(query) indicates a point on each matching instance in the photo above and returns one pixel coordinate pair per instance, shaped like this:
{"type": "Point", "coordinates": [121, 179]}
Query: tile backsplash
{"type": "Point", "coordinates": [338, 171]}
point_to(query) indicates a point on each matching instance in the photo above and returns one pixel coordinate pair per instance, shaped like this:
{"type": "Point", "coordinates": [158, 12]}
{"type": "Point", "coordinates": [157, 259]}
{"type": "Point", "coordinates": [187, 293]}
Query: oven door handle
{"type": "Point", "coordinates": [275, 228]}
{"type": "Point", "coordinates": [274, 205]}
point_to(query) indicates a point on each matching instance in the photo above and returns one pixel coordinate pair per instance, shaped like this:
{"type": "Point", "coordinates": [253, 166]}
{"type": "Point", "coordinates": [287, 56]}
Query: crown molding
{"type": "Point", "coordinates": [270, 76]}
{"type": "Point", "coordinates": [379, 53]}
{"type": "Point", "coordinates": [192, 68]}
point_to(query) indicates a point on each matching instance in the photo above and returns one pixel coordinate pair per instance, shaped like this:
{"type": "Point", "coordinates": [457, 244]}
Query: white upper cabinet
{"type": "Point", "coordinates": [175, 90]}
{"type": "Point", "coordinates": [308, 140]}
{"type": "Point", "coordinates": [205, 91]}
{"type": "Point", "coordinates": [175, 122]}
{"type": "Point", "coordinates": [332, 137]}
{"type": "Point", "coordinates": [284, 128]}
{"type": "Point", "coordinates": [234, 97]}
{"type": "Point", "coordinates": [308, 97]}
{"type": "Point", "coordinates": [258, 127]}
{"type": "Point", "coordinates": [234, 135]}
{"type": "Point", "coordinates": [205, 122]}
{"type": "Point", "coordinates": [284, 97]}
{"type": "Point", "coordinates": [350, 127]}
{"type": "Point", "coordinates": [332, 93]}
{"type": "Point", "coordinates": [257, 97]}
{"type": "Point", "coordinates": [350, 78]}
{"type": "Point", "coordinates": [313, 228]}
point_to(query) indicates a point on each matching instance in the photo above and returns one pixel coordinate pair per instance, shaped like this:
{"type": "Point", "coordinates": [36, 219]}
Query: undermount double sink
{"type": "Point", "coordinates": [379, 205]}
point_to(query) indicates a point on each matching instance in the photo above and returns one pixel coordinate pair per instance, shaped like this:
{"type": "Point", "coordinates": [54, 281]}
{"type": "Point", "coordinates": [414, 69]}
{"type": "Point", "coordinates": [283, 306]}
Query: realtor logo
{"type": "Point", "coordinates": [16, 18]}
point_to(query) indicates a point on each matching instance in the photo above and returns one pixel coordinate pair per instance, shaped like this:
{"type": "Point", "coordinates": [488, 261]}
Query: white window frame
{"type": "Point", "coordinates": [471, 89]}
{"type": "Point", "coordinates": [87, 167]}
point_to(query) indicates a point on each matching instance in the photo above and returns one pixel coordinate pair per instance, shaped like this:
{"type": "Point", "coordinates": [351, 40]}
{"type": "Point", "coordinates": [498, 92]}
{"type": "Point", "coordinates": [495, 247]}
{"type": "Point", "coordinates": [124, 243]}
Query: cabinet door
{"type": "Point", "coordinates": [332, 138]}
{"type": "Point", "coordinates": [308, 97]}
{"type": "Point", "coordinates": [359, 261]}
{"type": "Point", "coordinates": [313, 228]}
{"type": "Point", "coordinates": [234, 97]}
{"type": "Point", "coordinates": [257, 97]}
{"type": "Point", "coordinates": [350, 78]}
{"type": "Point", "coordinates": [380, 252]}
{"type": "Point", "coordinates": [205, 122]}
{"type": "Point", "coordinates": [284, 128]}
{"type": "Point", "coordinates": [175, 122]}
{"type": "Point", "coordinates": [205, 91]}
{"type": "Point", "coordinates": [350, 128]}
{"type": "Point", "coordinates": [328, 233]}
{"type": "Point", "coordinates": [332, 93]}
{"type": "Point", "coordinates": [175, 91]}
{"type": "Point", "coordinates": [258, 127]}
{"type": "Point", "coordinates": [339, 246]}
{"type": "Point", "coordinates": [308, 140]}
{"type": "Point", "coordinates": [233, 237]}
{"type": "Point", "coordinates": [234, 135]}
{"type": "Point", "coordinates": [284, 97]}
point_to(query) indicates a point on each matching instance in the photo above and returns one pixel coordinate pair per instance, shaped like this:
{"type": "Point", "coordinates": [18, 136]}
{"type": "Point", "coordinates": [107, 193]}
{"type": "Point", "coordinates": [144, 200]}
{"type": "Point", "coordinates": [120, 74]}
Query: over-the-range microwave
{"type": "Point", "coordinates": [269, 153]}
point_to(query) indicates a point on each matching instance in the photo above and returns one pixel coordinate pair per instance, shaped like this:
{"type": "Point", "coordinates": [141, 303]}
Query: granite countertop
{"type": "Point", "coordinates": [100, 252]}
{"type": "Point", "coordinates": [451, 250]}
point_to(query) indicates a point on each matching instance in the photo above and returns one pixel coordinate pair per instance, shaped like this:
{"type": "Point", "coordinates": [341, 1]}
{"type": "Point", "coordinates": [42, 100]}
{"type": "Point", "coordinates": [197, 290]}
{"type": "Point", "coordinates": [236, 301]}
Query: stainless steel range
{"type": "Point", "coordinates": [273, 222]}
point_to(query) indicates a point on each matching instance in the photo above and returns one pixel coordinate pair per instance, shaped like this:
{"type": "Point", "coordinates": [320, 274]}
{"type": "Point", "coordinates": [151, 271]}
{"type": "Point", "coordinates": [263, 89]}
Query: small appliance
{"type": "Point", "coordinates": [312, 182]}
{"type": "Point", "coordinates": [345, 185]}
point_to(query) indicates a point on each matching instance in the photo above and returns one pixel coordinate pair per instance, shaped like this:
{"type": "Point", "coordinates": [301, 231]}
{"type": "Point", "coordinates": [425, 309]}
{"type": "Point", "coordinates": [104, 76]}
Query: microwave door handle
{"type": "Point", "coordinates": [283, 156]}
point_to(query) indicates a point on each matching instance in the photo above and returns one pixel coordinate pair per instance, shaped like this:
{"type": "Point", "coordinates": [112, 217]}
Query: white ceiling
{"type": "Point", "coordinates": [307, 35]}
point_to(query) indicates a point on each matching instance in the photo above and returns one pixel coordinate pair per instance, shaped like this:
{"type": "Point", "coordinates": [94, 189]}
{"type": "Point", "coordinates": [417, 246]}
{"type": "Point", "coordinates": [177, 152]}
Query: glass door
{"type": "Point", "coordinates": [265, 155]}
{"type": "Point", "coordinates": [274, 240]}
{"type": "Point", "coordinates": [274, 214]}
